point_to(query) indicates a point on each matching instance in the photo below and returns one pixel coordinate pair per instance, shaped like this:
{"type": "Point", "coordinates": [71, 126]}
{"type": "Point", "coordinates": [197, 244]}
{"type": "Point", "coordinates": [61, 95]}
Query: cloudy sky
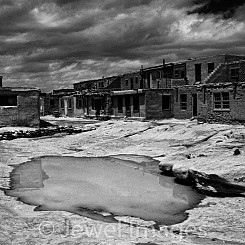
{"type": "Point", "coordinates": [52, 44]}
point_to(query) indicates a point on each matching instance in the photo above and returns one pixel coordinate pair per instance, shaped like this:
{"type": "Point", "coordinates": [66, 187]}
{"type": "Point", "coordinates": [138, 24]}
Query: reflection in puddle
{"type": "Point", "coordinates": [93, 186]}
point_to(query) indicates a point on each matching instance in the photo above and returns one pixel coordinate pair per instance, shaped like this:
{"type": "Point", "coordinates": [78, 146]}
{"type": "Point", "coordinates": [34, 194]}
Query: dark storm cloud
{"type": "Point", "coordinates": [64, 2]}
{"type": "Point", "coordinates": [125, 4]}
{"type": "Point", "coordinates": [226, 8]}
{"type": "Point", "coordinates": [33, 68]}
{"type": "Point", "coordinates": [54, 43]}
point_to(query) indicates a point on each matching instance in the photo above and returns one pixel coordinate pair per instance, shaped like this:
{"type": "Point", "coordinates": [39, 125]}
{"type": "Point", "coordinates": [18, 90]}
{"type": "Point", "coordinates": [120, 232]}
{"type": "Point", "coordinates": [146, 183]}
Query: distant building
{"type": "Point", "coordinates": [50, 102]}
{"type": "Point", "coordinates": [211, 88]}
{"type": "Point", "coordinates": [19, 106]}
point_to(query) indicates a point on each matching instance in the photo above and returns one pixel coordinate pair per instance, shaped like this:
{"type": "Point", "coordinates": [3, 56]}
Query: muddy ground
{"type": "Point", "coordinates": [205, 148]}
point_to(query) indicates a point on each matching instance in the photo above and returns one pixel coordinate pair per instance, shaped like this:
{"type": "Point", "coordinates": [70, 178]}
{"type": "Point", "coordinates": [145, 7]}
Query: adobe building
{"type": "Point", "coordinates": [50, 102]}
{"type": "Point", "coordinates": [199, 69]}
{"type": "Point", "coordinates": [19, 106]}
{"type": "Point", "coordinates": [143, 103]}
{"type": "Point", "coordinates": [218, 97]}
{"type": "Point", "coordinates": [181, 90]}
{"type": "Point", "coordinates": [103, 83]}
{"type": "Point", "coordinates": [224, 94]}
{"type": "Point", "coordinates": [158, 77]}
{"type": "Point", "coordinates": [92, 98]}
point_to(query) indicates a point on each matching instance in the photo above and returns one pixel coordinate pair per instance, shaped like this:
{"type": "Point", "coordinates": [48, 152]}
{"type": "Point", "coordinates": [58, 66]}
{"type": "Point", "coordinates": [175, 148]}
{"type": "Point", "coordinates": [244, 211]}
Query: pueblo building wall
{"type": "Point", "coordinates": [19, 107]}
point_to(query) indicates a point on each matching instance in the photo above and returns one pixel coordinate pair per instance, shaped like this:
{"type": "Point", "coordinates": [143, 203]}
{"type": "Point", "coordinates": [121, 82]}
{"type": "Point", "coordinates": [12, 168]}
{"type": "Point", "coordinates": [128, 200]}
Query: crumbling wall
{"type": "Point", "coordinates": [25, 113]}
{"type": "Point", "coordinates": [28, 108]}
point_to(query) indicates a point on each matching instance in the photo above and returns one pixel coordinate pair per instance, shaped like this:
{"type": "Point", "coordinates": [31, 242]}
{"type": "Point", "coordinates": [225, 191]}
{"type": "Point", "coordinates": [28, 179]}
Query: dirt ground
{"type": "Point", "coordinates": [213, 221]}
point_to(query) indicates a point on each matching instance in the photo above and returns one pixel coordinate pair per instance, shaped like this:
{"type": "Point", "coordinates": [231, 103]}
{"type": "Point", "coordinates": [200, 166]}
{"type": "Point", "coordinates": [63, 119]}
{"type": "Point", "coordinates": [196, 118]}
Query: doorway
{"type": "Point", "coordinates": [198, 72]}
{"type": "Point", "coordinates": [127, 105]}
{"type": "Point", "coordinates": [194, 105]}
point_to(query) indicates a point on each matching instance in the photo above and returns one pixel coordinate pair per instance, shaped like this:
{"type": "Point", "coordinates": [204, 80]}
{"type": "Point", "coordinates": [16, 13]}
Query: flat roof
{"type": "Point", "coordinates": [19, 89]}
{"type": "Point", "coordinates": [96, 80]}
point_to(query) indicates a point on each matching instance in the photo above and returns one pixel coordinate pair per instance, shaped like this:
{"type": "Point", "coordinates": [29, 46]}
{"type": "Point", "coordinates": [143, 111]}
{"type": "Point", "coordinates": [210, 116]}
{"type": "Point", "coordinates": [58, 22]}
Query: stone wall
{"type": "Point", "coordinates": [154, 104]}
{"type": "Point", "coordinates": [130, 81]}
{"type": "Point", "coordinates": [51, 104]}
{"type": "Point", "coordinates": [237, 105]}
{"type": "Point", "coordinates": [188, 90]}
{"type": "Point", "coordinates": [218, 59]}
{"type": "Point", "coordinates": [25, 113]}
{"type": "Point", "coordinates": [190, 66]}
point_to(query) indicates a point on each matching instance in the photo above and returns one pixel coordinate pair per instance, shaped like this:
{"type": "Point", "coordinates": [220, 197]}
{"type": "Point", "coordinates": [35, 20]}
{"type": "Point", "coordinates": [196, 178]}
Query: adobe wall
{"type": "Point", "coordinates": [189, 90]}
{"type": "Point", "coordinates": [127, 77]}
{"type": "Point", "coordinates": [69, 112]}
{"type": "Point", "coordinates": [241, 66]}
{"type": "Point", "coordinates": [140, 113]}
{"type": "Point", "coordinates": [26, 113]}
{"type": "Point", "coordinates": [190, 66]}
{"type": "Point", "coordinates": [237, 105]}
{"type": "Point", "coordinates": [153, 102]}
{"type": "Point", "coordinates": [78, 111]}
{"type": "Point", "coordinates": [157, 78]}
{"type": "Point", "coordinates": [231, 58]}
{"type": "Point", "coordinates": [49, 108]}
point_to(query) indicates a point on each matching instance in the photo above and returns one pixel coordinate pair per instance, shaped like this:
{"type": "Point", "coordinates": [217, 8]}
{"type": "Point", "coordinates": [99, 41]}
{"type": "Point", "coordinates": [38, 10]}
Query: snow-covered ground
{"type": "Point", "coordinates": [209, 147]}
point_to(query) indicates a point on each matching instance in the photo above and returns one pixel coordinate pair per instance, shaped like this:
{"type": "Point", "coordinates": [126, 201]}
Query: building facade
{"type": "Point", "coordinates": [50, 102]}
{"type": "Point", "coordinates": [218, 97]}
{"type": "Point", "coordinates": [208, 87]}
{"type": "Point", "coordinates": [19, 106]}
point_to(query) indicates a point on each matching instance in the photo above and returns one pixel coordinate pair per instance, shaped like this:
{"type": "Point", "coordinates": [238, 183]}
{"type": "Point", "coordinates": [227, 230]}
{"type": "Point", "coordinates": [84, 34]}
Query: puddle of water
{"type": "Point", "coordinates": [92, 187]}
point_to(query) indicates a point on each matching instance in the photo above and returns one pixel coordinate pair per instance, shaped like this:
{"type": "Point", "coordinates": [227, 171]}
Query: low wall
{"type": "Point", "coordinates": [25, 113]}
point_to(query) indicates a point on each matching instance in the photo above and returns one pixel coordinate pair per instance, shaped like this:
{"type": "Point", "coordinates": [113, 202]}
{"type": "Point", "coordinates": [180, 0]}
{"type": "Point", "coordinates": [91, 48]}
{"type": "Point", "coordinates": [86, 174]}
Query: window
{"type": "Point", "coordinates": [126, 82]}
{"type": "Point", "coordinates": [166, 102]}
{"type": "Point", "coordinates": [136, 103]}
{"type": "Point", "coordinates": [51, 102]}
{"type": "Point", "coordinates": [183, 102]}
{"type": "Point", "coordinates": [176, 73]}
{"type": "Point", "coordinates": [141, 83]}
{"type": "Point", "coordinates": [132, 83]}
{"type": "Point", "coordinates": [136, 80]}
{"type": "Point", "coordinates": [101, 85]}
{"type": "Point", "coordinates": [62, 105]}
{"type": "Point", "coordinates": [9, 100]}
{"type": "Point", "coordinates": [210, 67]}
{"type": "Point", "coordinates": [120, 104]}
{"type": "Point", "coordinates": [69, 103]}
{"type": "Point", "coordinates": [221, 101]}
{"type": "Point", "coordinates": [79, 103]}
{"type": "Point", "coordinates": [182, 74]}
{"type": "Point", "coordinates": [235, 73]}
